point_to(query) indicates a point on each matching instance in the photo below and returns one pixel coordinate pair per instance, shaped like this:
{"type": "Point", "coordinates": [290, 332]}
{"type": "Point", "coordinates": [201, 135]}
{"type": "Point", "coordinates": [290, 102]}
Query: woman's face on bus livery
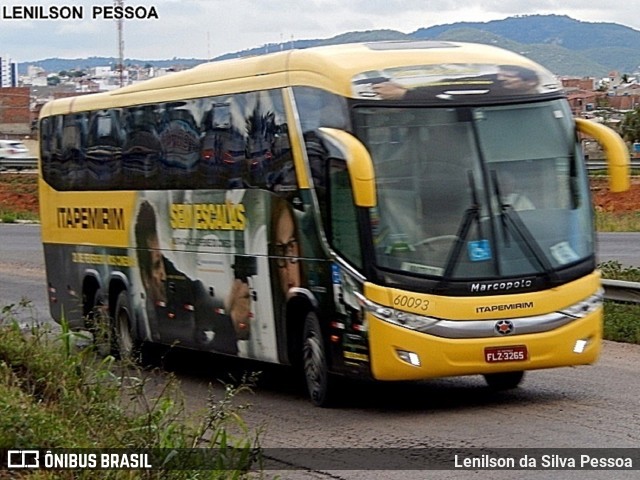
{"type": "Point", "coordinates": [514, 79]}
{"type": "Point", "coordinates": [155, 279]}
{"type": "Point", "coordinates": [287, 246]}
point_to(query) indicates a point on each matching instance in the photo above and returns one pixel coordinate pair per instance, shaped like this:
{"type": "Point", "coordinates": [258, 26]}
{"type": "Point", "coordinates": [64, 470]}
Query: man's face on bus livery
{"type": "Point", "coordinates": [155, 279]}
{"type": "Point", "coordinates": [287, 246]}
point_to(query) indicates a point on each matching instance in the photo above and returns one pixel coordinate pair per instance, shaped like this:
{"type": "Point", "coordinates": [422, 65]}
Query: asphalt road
{"type": "Point", "coordinates": [621, 247]}
{"type": "Point", "coordinates": [559, 409]}
{"type": "Point", "coordinates": [22, 270]}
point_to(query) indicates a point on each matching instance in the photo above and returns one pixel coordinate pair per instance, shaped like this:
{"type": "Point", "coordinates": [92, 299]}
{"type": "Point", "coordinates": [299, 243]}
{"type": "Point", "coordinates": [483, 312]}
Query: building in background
{"type": "Point", "coordinates": [8, 73]}
{"type": "Point", "coordinates": [16, 117]}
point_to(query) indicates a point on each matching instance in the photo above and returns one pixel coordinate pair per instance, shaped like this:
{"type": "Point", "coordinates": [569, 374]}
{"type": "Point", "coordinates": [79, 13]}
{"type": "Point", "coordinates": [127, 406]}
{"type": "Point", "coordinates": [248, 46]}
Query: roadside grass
{"type": "Point", "coordinates": [12, 216]}
{"type": "Point", "coordinates": [54, 394]}
{"type": "Point", "coordinates": [617, 222]}
{"type": "Point", "coordinates": [621, 320]}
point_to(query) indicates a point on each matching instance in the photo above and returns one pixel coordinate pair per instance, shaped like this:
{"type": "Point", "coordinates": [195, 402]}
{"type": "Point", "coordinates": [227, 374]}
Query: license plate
{"type": "Point", "coordinates": [514, 353]}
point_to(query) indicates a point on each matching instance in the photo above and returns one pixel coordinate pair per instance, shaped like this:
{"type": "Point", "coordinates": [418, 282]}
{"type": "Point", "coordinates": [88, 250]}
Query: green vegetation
{"type": "Point", "coordinates": [8, 217]}
{"type": "Point", "coordinates": [615, 271]}
{"type": "Point", "coordinates": [55, 394]}
{"type": "Point", "coordinates": [630, 126]}
{"type": "Point", "coordinates": [18, 197]}
{"type": "Point", "coordinates": [622, 320]}
{"type": "Point", "coordinates": [618, 221]}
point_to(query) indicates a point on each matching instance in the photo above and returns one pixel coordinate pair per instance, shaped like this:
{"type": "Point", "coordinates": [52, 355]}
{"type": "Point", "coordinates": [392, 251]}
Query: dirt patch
{"type": "Point", "coordinates": [605, 201]}
{"type": "Point", "coordinates": [19, 194]}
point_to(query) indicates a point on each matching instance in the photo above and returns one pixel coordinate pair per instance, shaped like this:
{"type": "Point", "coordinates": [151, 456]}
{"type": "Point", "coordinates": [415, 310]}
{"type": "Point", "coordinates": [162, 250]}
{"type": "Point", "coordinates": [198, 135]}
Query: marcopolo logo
{"type": "Point", "coordinates": [501, 285]}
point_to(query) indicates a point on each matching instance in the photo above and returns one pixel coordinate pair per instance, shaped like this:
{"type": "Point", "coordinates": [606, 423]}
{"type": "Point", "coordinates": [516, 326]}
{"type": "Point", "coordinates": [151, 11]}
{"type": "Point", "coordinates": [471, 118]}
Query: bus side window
{"type": "Point", "coordinates": [344, 235]}
{"type": "Point", "coordinates": [216, 130]}
{"type": "Point", "coordinates": [179, 136]}
{"type": "Point", "coordinates": [276, 168]}
{"type": "Point", "coordinates": [45, 146]}
{"type": "Point", "coordinates": [53, 167]}
{"type": "Point", "coordinates": [104, 149]}
{"type": "Point", "coordinates": [74, 129]}
{"type": "Point", "coordinates": [141, 150]}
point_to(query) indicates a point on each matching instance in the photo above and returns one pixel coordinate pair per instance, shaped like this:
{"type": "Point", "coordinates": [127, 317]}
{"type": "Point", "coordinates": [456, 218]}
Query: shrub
{"type": "Point", "coordinates": [54, 394]}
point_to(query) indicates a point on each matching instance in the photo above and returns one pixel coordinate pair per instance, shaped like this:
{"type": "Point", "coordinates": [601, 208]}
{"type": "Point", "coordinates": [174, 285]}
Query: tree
{"type": "Point", "coordinates": [53, 80]}
{"type": "Point", "coordinates": [630, 125]}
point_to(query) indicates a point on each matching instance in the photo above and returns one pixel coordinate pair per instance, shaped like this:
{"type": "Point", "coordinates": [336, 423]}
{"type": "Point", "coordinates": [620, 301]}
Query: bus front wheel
{"type": "Point", "coordinates": [314, 356]}
{"type": "Point", "coordinates": [504, 380]}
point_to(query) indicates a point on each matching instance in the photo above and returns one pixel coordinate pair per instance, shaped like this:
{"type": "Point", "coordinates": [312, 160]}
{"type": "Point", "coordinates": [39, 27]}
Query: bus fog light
{"type": "Point", "coordinates": [409, 357]}
{"type": "Point", "coordinates": [580, 346]}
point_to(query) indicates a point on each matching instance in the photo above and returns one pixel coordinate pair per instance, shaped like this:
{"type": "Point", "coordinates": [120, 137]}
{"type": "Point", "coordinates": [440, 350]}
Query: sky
{"type": "Point", "coordinates": [210, 28]}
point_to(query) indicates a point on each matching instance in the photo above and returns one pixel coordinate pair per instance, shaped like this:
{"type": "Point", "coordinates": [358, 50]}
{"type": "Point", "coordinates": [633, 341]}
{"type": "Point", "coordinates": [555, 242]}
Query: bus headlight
{"type": "Point", "coordinates": [412, 321]}
{"type": "Point", "coordinates": [585, 307]}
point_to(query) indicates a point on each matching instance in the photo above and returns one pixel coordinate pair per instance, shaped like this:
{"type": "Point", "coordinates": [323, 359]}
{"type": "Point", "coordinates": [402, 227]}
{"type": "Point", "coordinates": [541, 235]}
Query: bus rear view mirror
{"type": "Point", "coordinates": [615, 149]}
{"type": "Point", "coordinates": [359, 165]}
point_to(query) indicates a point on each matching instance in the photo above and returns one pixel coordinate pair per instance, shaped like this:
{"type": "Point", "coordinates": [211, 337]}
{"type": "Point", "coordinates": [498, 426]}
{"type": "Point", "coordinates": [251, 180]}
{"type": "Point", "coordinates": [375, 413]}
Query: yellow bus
{"type": "Point", "coordinates": [389, 211]}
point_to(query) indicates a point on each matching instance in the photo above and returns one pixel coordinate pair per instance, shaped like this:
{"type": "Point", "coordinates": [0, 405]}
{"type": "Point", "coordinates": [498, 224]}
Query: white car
{"type": "Point", "coordinates": [13, 149]}
{"type": "Point", "coordinates": [14, 155]}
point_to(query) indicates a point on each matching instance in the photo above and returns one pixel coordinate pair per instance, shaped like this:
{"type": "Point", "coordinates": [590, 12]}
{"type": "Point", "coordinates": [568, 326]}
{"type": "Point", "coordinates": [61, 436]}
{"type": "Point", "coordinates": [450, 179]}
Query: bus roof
{"type": "Point", "coordinates": [333, 68]}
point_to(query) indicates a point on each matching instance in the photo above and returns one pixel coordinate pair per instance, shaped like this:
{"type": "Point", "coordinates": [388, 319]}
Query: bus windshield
{"type": "Point", "coordinates": [477, 192]}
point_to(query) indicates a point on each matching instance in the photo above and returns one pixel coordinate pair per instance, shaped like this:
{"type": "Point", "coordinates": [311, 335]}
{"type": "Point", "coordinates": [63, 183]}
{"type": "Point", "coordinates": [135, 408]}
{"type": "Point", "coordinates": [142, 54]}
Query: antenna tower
{"type": "Point", "coordinates": [120, 23]}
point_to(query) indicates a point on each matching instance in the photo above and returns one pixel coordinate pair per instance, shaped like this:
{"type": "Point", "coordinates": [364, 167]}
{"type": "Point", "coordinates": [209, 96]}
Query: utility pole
{"type": "Point", "coordinates": [120, 23]}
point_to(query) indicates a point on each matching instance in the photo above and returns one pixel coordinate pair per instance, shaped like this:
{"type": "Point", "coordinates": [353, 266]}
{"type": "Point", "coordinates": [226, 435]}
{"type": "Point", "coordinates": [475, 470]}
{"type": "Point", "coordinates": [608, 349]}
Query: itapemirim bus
{"type": "Point", "coordinates": [391, 211]}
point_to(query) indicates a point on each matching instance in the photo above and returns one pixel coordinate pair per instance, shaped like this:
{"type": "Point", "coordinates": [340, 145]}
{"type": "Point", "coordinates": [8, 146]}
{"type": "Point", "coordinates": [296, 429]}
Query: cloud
{"type": "Point", "coordinates": [209, 28]}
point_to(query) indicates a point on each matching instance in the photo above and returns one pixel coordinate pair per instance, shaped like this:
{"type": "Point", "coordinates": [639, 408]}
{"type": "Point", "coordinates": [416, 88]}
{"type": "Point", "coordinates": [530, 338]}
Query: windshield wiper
{"type": "Point", "coordinates": [471, 215]}
{"type": "Point", "coordinates": [512, 222]}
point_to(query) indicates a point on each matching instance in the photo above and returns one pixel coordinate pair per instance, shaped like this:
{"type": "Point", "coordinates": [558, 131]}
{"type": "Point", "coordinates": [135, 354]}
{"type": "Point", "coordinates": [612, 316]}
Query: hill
{"type": "Point", "coordinates": [554, 40]}
{"type": "Point", "coordinates": [549, 29]}
{"type": "Point", "coordinates": [59, 64]}
{"type": "Point", "coordinates": [564, 45]}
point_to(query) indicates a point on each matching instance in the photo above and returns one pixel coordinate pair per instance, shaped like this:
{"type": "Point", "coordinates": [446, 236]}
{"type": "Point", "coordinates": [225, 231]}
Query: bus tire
{"type": "Point", "coordinates": [314, 361]}
{"type": "Point", "coordinates": [504, 380]}
{"type": "Point", "coordinates": [125, 341]}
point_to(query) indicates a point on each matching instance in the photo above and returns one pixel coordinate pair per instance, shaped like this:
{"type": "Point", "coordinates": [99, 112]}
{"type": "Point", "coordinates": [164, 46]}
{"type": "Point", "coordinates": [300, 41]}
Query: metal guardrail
{"type": "Point", "coordinates": [18, 163]}
{"type": "Point", "coordinates": [601, 164]}
{"type": "Point", "coordinates": [621, 291]}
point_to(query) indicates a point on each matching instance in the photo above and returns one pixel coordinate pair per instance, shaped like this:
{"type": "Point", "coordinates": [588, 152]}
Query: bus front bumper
{"type": "Point", "coordinates": [398, 353]}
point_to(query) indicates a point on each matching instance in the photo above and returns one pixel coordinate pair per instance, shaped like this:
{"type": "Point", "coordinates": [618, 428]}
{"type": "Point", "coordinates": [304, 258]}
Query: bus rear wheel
{"type": "Point", "coordinates": [314, 360]}
{"type": "Point", "coordinates": [504, 380]}
{"type": "Point", "coordinates": [126, 345]}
